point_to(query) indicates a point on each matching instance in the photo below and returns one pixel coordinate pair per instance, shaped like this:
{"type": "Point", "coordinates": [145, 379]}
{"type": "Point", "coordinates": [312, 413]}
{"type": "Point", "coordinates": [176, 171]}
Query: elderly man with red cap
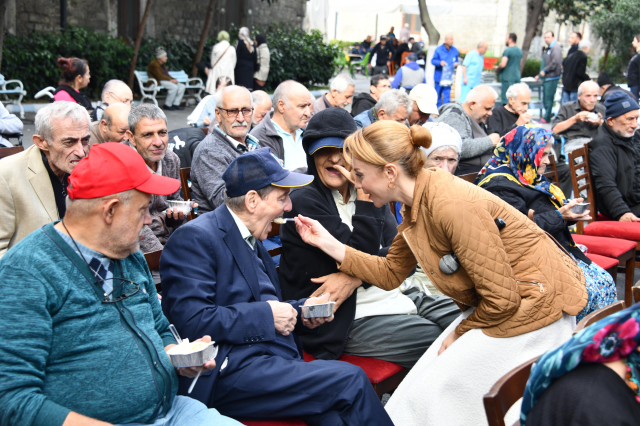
{"type": "Point", "coordinates": [84, 340]}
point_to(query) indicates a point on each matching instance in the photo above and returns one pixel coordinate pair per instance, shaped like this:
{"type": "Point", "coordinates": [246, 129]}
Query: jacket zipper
{"type": "Point", "coordinates": [542, 290]}
{"type": "Point", "coordinates": [432, 282]}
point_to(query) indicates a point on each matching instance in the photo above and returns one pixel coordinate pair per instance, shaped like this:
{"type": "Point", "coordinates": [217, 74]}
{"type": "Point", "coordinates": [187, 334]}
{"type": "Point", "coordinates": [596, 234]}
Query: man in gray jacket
{"type": "Point", "coordinates": [550, 71]}
{"type": "Point", "coordinates": [282, 129]}
{"type": "Point", "coordinates": [228, 140]}
{"type": "Point", "coordinates": [469, 120]}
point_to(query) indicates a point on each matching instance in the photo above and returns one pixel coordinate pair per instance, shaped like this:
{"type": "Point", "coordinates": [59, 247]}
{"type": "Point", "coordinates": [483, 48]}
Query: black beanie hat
{"type": "Point", "coordinates": [619, 103]}
{"type": "Point", "coordinates": [604, 79]}
{"type": "Point", "coordinates": [331, 122]}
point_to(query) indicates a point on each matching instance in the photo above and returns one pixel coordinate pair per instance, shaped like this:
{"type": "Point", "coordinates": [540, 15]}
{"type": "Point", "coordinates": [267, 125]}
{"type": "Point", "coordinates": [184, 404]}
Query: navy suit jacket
{"type": "Point", "coordinates": [210, 287]}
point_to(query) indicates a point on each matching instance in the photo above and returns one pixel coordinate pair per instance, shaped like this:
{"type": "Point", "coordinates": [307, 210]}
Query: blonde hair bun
{"type": "Point", "coordinates": [420, 136]}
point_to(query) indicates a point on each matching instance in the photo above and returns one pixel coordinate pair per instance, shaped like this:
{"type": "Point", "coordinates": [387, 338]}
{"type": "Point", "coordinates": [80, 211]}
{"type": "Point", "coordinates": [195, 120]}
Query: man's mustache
{"type": "Point", "coordinates": [236, 124]}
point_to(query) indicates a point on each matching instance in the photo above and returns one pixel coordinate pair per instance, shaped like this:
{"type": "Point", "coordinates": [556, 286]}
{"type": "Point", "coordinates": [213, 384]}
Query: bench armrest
{"type": "Point", "coordinates": [17, 82]}
{"type": "Point", "coordinates": [197, 80]}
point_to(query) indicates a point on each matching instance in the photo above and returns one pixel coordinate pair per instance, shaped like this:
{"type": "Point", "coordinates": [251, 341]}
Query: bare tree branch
{"type": "Point", "coordinates": [136, 48]}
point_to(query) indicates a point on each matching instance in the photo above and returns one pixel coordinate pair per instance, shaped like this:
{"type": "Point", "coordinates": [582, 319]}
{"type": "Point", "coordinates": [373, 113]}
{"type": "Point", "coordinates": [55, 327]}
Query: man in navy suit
{"type": "Point", "coordinates": [219, 280]}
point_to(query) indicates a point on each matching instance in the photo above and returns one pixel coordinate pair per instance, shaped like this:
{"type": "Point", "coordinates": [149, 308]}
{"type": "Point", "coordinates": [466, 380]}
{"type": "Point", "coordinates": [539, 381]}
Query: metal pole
{"type": "Point", "coordinates": [376, 37]}
{"type": "Point", "coordinates": [335, 30]}
{"type": "Point", "coordinates": [63, 13]}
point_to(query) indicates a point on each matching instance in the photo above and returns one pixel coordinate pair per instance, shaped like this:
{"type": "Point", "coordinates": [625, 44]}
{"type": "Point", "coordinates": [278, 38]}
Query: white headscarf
{"type": "Point", "coordinates": [443, 135]}
{"type": "Point", "coordinates": [245, 36]}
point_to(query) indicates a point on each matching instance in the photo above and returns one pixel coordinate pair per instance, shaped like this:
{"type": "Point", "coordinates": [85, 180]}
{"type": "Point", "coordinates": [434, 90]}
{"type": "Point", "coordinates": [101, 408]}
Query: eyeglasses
{"type": "Point", "coordinates": [233, 113]}
{"type": "Point", "coordinates": [126, 102]}
{"type": "Point", "coordinates": [126, 292]}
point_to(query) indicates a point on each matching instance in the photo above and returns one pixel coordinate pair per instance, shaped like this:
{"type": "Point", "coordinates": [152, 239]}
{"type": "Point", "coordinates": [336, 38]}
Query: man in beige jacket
{"type": "Point", "coordinates": [33, 183]}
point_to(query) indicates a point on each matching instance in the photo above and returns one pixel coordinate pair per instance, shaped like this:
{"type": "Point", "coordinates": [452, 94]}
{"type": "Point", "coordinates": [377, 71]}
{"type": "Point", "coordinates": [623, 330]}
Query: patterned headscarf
{"type": "Point", "coordinates": [610, 339]}
{"type": "Point", "coordinates": [519, 154]}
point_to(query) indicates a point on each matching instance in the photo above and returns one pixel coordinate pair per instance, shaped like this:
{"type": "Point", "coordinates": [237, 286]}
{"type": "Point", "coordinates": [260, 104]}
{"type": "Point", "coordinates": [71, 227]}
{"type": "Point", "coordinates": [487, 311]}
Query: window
{"type": "Point", "coordinates": [414, 23]}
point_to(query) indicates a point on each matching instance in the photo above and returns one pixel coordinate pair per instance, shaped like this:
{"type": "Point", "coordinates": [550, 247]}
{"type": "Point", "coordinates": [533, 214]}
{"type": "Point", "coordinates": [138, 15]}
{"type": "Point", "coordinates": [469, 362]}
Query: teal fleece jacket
{"type": "Point", "coordinates": [62, 349]}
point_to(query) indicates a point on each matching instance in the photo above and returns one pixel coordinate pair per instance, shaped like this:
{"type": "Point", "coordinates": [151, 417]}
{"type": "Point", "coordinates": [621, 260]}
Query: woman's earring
{"type": "Point", "coordinates": [389, 185]}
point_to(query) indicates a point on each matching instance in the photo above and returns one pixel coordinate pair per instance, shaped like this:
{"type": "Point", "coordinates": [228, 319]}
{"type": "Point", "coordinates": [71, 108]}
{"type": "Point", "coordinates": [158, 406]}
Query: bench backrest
{"type": "Point", "coordinates": [143, 76]}
{"type": "Point", "coordinates": [181, 76]}
{"type": "Point", "coordinates": [596, 316]}
{"type": "Point", "coordinates": [506, 392]}
{"type": "Point", "coordinates": [581, 172]}
{"type": "Point", "coordinates": [5, 152]}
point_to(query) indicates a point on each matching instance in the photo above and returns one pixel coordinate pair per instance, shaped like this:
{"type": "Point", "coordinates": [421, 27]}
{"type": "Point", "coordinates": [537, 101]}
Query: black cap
{"type": "Point", "coordinates": [604, 79]}
{"type": "Point", "coordinates": [331, 123]}
{"type": "Point", "coordinates": [619, 103]}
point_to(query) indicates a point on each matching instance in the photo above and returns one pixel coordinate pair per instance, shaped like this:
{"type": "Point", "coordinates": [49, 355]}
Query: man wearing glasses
{"type": "Point", "coordinates": [84, 339]}
{"type": "Point", "coordinates": [226, 141]}
{"type": "Point", "coordinates": [114, 92]}
{"type": "Point", "coordinates": [148, 135]}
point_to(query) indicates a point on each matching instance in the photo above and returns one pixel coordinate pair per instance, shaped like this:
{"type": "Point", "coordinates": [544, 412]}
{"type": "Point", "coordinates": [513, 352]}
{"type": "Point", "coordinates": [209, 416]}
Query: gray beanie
{"type": "Point", "coordinates": [160, 52]}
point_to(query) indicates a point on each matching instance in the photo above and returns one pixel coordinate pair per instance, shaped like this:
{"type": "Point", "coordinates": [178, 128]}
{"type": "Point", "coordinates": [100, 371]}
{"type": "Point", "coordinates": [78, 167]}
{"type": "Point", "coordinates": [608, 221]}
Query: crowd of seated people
{"type": "Point", "coordinates": [422, 273]}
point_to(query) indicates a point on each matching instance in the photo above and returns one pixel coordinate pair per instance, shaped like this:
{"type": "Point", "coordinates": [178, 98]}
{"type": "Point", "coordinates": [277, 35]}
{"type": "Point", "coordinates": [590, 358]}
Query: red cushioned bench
{"type": "Point", "coordinates": [608, 264]}
{"type": "Point", "coordinates": [384, 376]}
{"type": "Point", "coordinates": [623, 232]}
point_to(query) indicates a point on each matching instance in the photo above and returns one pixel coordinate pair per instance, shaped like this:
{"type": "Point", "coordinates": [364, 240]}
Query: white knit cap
{"type": "Point", "coordinates": [442, 135]}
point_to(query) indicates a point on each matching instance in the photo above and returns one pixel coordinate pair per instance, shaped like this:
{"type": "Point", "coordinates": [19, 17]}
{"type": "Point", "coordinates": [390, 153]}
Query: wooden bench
{"type": "Point", "coordinates": [153, 261]}
{"type": "Point", "coordinates": [149, 87]}
{"type": "Point", "coordinates": [185, 182]}
{"type": "Point", "coordinates": [596, 316]}
{"type": "Point", "coordinates": [5, 152]}
{"type": "Point", "coordinates": [617, 240]}
{"type": "Point", "coordinates": [506, 392]}
{"type": "Point", "coordinates": [17, 89]}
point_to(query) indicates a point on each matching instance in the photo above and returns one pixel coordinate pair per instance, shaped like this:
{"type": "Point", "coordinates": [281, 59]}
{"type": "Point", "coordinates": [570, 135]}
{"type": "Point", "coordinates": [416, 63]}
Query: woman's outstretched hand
{"type": "Point", "coordinates": [315, 235]}
{"type": "Point", "coordinates": [350, 176]}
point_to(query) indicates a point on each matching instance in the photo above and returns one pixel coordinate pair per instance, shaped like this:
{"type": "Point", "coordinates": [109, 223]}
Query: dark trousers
{"type": "Point", "coordinates": [549, 92]}
{"type": "Point", "coordinates": [402, 339]}
{"type": "Point", "coordinates": [634, 91]}
{"type": "Point", "coordinates": [322, 393]}
{"type": "Point", "coordinates": [444, 94]}
{"type": "Point", "coordinates": [380, 69]}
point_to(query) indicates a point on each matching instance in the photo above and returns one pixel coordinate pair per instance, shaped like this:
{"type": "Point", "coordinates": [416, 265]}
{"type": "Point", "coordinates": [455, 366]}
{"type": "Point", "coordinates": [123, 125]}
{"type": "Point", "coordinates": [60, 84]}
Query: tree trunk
{"type": "Point", "coordinates": [3, 9]}
{"type": "Point", "coordinates": [203, 38]}
{"type": "Point", "coordinates": [136, 47]}
{"type": "Point", "coordinates": [534, 16]}
{"type": "Point", "coordinates": [605, 58]}
{"type": "Point", "coordinates": [434, 35]}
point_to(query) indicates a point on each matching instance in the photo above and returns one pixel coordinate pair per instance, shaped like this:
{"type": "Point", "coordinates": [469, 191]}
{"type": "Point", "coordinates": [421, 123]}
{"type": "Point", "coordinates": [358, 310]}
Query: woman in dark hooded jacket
{"type": "Point", "coordinates": [370, 322]}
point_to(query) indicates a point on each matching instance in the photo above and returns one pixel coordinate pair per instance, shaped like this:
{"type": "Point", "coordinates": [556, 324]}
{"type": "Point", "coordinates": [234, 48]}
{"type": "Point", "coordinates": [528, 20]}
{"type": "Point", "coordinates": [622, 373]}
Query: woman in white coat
{"type": "Point", "coordinates": [264, 57]}
{"type": "Point", "coordinates": [223, 62]}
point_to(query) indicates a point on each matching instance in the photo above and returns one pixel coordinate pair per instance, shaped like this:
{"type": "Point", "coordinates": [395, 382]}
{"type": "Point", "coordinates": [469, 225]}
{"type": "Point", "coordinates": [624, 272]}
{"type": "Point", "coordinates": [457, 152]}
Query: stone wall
{"type": "Point", "coordinates": [181, 19]}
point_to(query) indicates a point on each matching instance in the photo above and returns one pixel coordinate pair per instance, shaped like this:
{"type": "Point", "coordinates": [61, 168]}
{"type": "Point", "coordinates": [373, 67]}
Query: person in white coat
{"type": "Point", "coordinates": [223, 62]}
{"type": "Point", "coordinates": [264, 57]}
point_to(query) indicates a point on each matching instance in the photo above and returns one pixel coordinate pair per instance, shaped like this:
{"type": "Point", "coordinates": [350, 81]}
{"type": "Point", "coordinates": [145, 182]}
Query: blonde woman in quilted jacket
{"type": "Point", "coordinates": [518, 291]}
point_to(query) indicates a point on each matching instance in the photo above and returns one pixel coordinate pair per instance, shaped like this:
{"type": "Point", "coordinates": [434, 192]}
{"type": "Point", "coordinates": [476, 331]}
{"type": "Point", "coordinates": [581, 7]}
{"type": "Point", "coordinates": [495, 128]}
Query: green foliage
{"type": "Point", "coordinates": [296, 55]}
{"type": "Point", "coordinates": [618, 26]}
{"type": "Point", "coordinates": [531, 68]}
{"type": "Point", "coordinates": [32, 59]}
{"type": "Point", "coordinates": [577, 11]}
{"type": "Point", "coordinates": [616, 66]}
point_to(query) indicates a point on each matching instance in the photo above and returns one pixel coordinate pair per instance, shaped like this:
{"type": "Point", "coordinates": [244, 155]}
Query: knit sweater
{"type": "Point", "coordinates": [62, 349]}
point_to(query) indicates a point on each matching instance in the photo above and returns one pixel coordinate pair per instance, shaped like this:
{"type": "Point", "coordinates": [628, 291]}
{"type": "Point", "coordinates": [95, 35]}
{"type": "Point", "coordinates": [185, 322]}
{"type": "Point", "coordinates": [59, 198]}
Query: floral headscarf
{"type": "Point", "coordinates": [519, 154]}
{"type": "Point", "coordinates": [610, 339]}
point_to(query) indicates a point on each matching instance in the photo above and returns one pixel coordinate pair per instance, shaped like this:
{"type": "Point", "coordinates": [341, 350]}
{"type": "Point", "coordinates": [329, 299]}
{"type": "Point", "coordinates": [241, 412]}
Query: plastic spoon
{"type": "Point", "coordinates": [194, 381]}
{"type": "Point", "coordinates": [176, 336]}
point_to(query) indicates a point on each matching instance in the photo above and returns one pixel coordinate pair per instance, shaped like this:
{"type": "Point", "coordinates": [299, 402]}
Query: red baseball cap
{"type": "Point", "coordinates": [113, 167]}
